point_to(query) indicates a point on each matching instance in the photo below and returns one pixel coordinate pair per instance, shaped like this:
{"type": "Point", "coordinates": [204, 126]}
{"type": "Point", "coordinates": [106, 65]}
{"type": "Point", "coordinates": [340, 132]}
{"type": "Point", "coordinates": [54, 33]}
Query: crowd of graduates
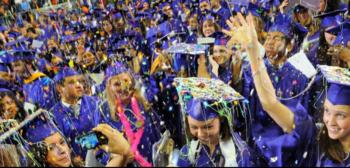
{"type": "Point", "coordinates": [105, 66]}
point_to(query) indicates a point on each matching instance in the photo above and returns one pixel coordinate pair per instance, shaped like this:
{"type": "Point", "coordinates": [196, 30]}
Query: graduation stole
{"type": "Point", "coordinates": [34, 77]}
{"type": "Point", "coordinates": [133, 137]}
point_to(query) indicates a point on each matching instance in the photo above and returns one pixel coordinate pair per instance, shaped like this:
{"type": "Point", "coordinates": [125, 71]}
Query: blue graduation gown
{"type": "Point", "coordinates": [221, 16]}
{"type": "Point", "coordinates": [151, 132]}
{"type": "Point", "coordinates": [326, 162]}
{"type": "Point", "coordinates": [41, 92]}
{"type": "Point", "coordinates": [72, 126]}
{"type": "Point", "coordinates": [202, 159]}
{"type": "Point", "coordinates": [276, 147]}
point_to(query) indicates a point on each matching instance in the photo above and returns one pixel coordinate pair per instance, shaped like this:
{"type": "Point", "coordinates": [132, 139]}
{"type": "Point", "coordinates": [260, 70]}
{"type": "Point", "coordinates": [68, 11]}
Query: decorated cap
{"type": "Point", "coordinates": [64, 73]}
{"type": "Point", "coordinates": [117, 16]}
{"type": "Point", "coordinates": [115, 69]}
{"type": "Point", "coordinates": [339, 78]}
{"type": "Point", "coordinates": [201, 110]}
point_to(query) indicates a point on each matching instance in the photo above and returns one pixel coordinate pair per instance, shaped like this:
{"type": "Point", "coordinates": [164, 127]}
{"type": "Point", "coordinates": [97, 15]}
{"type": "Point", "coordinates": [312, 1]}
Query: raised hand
{"type": "Point", "coordinates": [242, 30]}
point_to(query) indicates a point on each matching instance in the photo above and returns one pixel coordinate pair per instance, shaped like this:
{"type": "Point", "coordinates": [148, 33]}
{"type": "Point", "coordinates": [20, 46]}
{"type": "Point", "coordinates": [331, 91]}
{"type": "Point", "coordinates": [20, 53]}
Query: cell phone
{"type": "Point", "coordinates": [91, 140]}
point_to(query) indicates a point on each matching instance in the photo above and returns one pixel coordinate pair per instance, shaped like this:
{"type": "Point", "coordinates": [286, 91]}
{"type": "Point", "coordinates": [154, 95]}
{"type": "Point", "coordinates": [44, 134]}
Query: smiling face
{"type": "Point", "coordinates": [58, 151]}
{"type": "Point", "coordinates": [8, 108]}
{"type": "Point", "coordinates": [207, 132]}
{"type": "Point", "coordinates": [208, 28]}
{"type": "Point", "coordinates": [221, 54]}
{"type": "Point", "coordinates": [122, 86]}
{"type": "Point", "coordinates": [337, 121]}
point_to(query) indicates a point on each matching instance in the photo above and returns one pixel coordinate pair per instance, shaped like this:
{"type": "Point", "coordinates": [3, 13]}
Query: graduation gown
{"type": "Point", "coordinates": [151, 132]}
{"type": "Point", "coordinates": [39, 89]}
{"type": "Point", "coordinates": [73, 126]}
{"type": "Point", "coordinates": [275, 147]}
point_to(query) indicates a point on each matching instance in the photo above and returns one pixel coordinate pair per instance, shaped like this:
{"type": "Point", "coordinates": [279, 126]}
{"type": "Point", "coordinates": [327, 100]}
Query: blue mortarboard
{"type": "Point", "coordinates": [117, 16]}
{"type": "Point", "coordinates": [17, 55]}
{"type": "Point", "coordinates": [115, 69]}
{"type": "Point", "coordinates": [284, 25]}
{"type": "Point", "coordinates": [200, 110]}
{"type": "Point", "coordinates": [2, 28]}
{"type": "Point", "coordinates": [4, 68]}
{"type": "Point", "coordinates": [4, 90]}
{"type": "Point", "coordinates": [342, 32]}
{"type": "Point", "coordinates": [20, 41]}
{"type": "Point", "coordinates": [38, 129]}
{"type": "Point", "coordinates": [330, 21]}
{"type": "Point", "coordinates": [13, 34]}
{"type": "Point", "coordinates": [207, 17]}
{"type": "Point", "coordinates": [221, 41]}
{"type": "Point", "coordinates": [255, 10]}
{"type": "Point", "coordinates": [339, 94]}
{"type": "Point", "coordinates": [339, 79]}
{"type": "Point", "coordinates": [64, 73]}
{"type": "Point", "coordinates": [164, 4]}
{"type": "Point", "coordinates": [343, 39]}
{"type": "Point", "coordinates": [299, 8]}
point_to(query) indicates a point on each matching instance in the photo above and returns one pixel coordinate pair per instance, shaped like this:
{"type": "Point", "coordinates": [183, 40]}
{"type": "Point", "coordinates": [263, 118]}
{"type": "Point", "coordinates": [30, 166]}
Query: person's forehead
{"type": "Point", "coordinates": [74, 77]}
{"type": "Point", "coordinates": [342, 108]}
{"type": "Point", "coordinates": [275, 33]}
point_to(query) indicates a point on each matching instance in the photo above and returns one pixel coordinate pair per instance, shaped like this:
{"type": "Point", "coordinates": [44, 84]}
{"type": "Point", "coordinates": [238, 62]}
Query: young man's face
{"type": "Point", "coordinates": [72, 87]}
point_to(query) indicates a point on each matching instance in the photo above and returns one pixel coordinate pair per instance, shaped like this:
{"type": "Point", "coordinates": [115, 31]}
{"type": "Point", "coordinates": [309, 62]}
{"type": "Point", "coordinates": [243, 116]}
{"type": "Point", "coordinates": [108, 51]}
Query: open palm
{"type": "Point", "coordinates": [242, 30]}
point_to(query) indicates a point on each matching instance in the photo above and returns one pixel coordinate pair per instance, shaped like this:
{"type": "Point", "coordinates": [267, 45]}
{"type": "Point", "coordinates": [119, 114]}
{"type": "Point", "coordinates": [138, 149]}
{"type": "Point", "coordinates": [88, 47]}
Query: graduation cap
{"type": "Point", "coordinates": [284, 25]}
{"type": "Point", "coordinates": [20, 41]}
{"type": "Point", "coordinates": [342, 32]}
{"type": "Point", "coordinates": [64, 73]}
{"type": "Point", "coordinates": [115, 69]}
{"type": "Point", "coordinates": [23, 55]}
{"type": "Point", "coordinates": [332, 13]}
{"type": "Point", "coordinates": [4, 67]}
{"type": "Point", "coordinates": [13, 34]}
{"type": "Point", "coordinates": [117, 16]}
{"type": "Point", "coordinates": [221, 41]}
{"type": "Point", "coordinates": [71, 38]}
{"type": "Point", "coordinates": [240, 2]}
{"type": "Point", "coordinates": [206, 89]}
{"type": "Point", "coordinates": [184, 48]}
{"type": "Point", "coordinates": [339, 80]}
{"type": "Point", "coordinates": [201, 110]}
{"type": "Point", "coordinates": [3, 28]}
{"type": "Point", "coordinates": [39, 129]}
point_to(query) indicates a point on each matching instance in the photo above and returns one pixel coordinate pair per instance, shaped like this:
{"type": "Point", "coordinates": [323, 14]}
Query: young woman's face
{"type": "Point", "coordinates": [122, 86]}
{"type": "Point", "coordinates": [208, 28]}
{"type": "Point", "coordinates": [337, 121]}
{"type": "Point", "coordinates": [58, 151]}
{"type": "Point", "coordinates": [88, 59]}
{"type": "Point", "coordinates": [221, 54]}
{"type": "Point", "coordinates": [207, 132]}
{"type": "Point", "coordinates": [9, 108]}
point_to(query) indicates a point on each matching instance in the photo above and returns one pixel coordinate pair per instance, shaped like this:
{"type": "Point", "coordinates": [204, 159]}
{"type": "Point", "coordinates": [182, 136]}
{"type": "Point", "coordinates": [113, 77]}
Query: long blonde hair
{"type": "Point", "coordinates": [111, 97]}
